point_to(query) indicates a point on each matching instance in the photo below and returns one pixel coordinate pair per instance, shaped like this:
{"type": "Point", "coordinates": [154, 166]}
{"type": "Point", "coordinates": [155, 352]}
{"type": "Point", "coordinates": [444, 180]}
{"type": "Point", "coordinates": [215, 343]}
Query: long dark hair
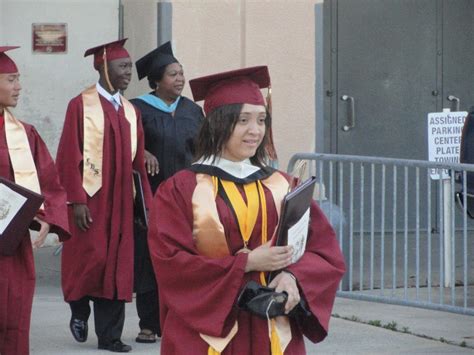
{"type": "Point", "coordinates": [217, 129]}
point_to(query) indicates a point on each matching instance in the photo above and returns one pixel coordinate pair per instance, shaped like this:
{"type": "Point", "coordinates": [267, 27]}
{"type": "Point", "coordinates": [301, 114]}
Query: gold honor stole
{"type": "Point", "coordinates": [209, 237]}
{"type": "Point", "coordinates": [94, 137]}
{"type": "Point", "coordinates": [23, 165]}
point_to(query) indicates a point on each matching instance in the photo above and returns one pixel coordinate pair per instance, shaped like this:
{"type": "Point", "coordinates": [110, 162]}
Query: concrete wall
{"type": "Point", "coordinates": [50, 80]}
{"type": "Point", "coordinates": [140, 25]}
{"type": "Point", "coordinates": [2, 14]}
{"type": "Point", "coordinates": [212, 36]}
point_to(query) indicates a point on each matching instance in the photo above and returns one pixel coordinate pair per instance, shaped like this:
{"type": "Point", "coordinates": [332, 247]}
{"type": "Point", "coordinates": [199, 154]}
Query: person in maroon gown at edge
{"type": "Point", "coordinates": [211, 228]}
{"type": "Point", "coordinates": [24, 159]}
{"type": "Point", "coordinates": [101, 144]}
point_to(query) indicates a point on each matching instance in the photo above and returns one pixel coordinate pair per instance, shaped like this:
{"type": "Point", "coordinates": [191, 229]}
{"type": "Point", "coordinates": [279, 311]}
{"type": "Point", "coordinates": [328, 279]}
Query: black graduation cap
{"type": "Point", "coordinates": [151, 62]}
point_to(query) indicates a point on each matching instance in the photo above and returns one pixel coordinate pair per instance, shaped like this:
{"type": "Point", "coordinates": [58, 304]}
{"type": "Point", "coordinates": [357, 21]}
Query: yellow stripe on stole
{"type": "Point", "coordinates": [278, 186]}
{"type": "Point", "coordinates": [247, 217]}
{"type": "Point", "coordinates": [23, 164]}
{"type": "Point", "coordinates": [93, 145]}
{"type": "Point", "coordinates": [246, 213]}
{"type": "Point", "coordinates": [131, 116]}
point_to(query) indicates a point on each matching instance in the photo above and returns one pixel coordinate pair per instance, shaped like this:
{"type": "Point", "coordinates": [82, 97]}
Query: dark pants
{"type": "Point", "coordinates": [148, 311]}
{"type": "Point", "coordinates": [109, 317]}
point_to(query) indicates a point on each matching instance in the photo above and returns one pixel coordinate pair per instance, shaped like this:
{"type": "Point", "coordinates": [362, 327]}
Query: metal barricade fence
{"type": "Point", "coordinates": [404, 238]}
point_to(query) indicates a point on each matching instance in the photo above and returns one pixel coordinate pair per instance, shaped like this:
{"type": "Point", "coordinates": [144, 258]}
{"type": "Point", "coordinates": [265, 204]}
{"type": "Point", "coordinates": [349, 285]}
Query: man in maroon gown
{"type": "Point", "coordinates": [17, 273]}
{"type": "Point", "coordinates": [101, 144]}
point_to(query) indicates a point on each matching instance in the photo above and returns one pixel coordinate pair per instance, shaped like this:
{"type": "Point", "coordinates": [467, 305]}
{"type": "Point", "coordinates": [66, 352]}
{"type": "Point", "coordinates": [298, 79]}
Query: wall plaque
{"type": "Point", "coordinates": [49, 37]}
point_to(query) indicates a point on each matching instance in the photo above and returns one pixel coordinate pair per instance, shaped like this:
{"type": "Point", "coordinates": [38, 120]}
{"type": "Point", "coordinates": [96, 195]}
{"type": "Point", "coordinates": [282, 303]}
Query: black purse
{"type": "Point", "coordinates": [265, 303]}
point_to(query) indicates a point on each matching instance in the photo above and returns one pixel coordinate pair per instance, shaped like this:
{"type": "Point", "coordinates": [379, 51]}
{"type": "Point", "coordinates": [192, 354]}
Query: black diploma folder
{"type": "Point", "coordinates": [294, 206]}
{"type": "Point", "coordinates": [17, 228]}
{"type": "Point", "coordinates": [140, 208]}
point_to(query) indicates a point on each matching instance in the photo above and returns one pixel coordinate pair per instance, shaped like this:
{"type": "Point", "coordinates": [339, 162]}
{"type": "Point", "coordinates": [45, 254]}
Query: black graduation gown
{"type": "Point", "coordinates": [171, 140]}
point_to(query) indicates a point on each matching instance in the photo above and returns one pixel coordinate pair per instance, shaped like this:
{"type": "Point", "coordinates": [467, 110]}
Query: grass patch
{"type": "Point", "coordinates": [356, 319]}
{"type": "Point", "coordinates": [391, 326]}
{"type": "Point", "coordinates": [375, 323]}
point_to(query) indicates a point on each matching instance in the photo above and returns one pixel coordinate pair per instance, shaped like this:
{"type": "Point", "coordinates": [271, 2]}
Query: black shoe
{"type": "Point", "coordinates": [78, 329]}
{"type": "Point", "coordinates": [116, 346]}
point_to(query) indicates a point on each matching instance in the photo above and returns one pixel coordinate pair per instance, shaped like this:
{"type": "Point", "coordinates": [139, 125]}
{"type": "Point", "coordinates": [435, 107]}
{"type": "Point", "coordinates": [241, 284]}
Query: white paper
{"type": "Point", "coordinates": [10, 203]}
{"type": "Point", "coordinates": [297, 236]}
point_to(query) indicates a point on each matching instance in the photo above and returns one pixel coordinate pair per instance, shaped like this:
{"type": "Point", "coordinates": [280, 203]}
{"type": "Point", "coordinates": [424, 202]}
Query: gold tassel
{"type": "Point", "coordinates": [212, 351]}
{"type": "Point", "coordinates": [263, 203]}
{"type": "Point", "coordinates": [270, 148]}
{"type": "Point", "coordinates": [297, 174]}
{"type": "Point", "coordinates": [275, 340]}
{"type": "Point", "coordinates": [106, 71]}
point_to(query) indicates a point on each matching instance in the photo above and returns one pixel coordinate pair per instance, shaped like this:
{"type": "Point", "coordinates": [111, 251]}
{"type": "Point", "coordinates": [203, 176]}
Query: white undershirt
{"type": "Point", "coordinates": [113, 99]}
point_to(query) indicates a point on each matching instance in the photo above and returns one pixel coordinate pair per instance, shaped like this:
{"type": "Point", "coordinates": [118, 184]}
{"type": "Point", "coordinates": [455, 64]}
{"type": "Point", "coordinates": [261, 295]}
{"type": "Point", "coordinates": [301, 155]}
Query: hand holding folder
{"type": "Point", "coordinates": [292, 230]}
{"type": "Point", "coordinates": [294, 219]}
{"type": "Point", "coordinates": [18, 207]}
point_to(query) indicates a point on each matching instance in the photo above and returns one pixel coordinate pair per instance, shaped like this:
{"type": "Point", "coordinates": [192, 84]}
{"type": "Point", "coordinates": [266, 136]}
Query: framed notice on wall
{"type": "Point", "coordinates": [49, 37]}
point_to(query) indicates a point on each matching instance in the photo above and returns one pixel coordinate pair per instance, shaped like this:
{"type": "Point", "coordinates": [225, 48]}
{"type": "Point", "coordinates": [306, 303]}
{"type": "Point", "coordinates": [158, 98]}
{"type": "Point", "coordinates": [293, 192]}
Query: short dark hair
{"type": "Point", "coordinates": [217, 128]}
{"type": "Point", "coordinates": [156, 74]}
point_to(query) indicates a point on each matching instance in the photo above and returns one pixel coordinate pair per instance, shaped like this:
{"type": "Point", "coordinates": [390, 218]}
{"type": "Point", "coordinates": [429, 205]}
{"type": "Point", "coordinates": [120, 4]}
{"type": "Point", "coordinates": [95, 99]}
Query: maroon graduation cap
{"type": "Point", "coordinates": [7, 65]}
{"type": "Point", "coordinates": [241, 86]}
{"type": "Point", "coordinates": [108, 52]}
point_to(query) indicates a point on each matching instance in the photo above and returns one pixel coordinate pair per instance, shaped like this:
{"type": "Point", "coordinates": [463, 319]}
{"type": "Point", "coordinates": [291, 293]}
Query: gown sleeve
{"type": "Point", "coordinates": [69, 156]}
{"type": "Point", "coordinates": [139, 161]}
{"type": "Point", "coordinates": [200, 290]}
{"type": "Point", "coordinates": [55, 211]}
{"type": "Point", "coordinates": [318, 273]}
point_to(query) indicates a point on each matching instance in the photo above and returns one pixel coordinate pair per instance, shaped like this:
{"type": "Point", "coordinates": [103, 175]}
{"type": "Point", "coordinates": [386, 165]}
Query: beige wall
{"type": "Point", "coordinates": [212, 36]}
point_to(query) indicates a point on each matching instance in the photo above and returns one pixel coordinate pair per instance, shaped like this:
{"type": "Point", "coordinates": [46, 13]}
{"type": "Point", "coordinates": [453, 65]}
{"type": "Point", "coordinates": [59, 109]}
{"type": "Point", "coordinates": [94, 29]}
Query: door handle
{"type": "Point", "coordinates": [350, 113]}
{"type": "Point", "coordinates": [456, 101]}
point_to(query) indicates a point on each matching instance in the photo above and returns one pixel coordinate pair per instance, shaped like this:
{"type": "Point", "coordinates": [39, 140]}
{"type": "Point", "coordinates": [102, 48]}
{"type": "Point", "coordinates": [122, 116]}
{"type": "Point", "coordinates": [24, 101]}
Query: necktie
{"type": "Point", "coordinates": [116, 102]}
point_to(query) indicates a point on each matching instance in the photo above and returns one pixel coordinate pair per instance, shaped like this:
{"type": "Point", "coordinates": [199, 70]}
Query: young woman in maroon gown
{"type": "Point", "coordinates": [211, 229]}
{"type": "Point", "coordinates": [20, 143]}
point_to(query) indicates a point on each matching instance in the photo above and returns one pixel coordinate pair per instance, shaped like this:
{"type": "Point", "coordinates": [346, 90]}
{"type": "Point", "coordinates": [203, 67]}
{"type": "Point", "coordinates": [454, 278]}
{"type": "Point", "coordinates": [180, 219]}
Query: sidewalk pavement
{"type": "Point", "coordinates": [418, 331]}
{"type": "Point", "coordinates": [50, 331]}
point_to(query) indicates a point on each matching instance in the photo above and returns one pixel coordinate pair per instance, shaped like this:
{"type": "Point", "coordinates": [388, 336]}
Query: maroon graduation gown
{"type": "Point", "coordinates": [99, 262]}
{"type": "Point", "coordinates": [17, 273]}
{"type": "Point", "coordinates": [198, 293]}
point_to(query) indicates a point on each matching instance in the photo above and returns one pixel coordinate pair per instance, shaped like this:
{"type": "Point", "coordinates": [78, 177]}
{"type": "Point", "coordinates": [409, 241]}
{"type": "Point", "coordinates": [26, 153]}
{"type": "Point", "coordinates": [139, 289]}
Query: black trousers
{"type": "Point", "coordinates": [109, 316]}
{"type": "Point", "coordinates": [148, 311]}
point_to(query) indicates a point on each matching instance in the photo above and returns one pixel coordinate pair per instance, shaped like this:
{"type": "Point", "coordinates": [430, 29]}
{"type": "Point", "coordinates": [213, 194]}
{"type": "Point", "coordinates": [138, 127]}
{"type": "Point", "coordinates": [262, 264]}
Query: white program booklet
{"type": "Point", "coordinates": [297, 236]}
{"type": "Point", "coordinates": [10, 203]}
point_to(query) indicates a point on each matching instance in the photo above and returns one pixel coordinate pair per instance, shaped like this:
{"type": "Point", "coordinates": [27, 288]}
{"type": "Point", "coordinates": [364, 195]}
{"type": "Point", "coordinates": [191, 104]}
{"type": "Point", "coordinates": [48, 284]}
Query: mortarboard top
{"type": "Point", "coordinates": [113, 50]}
{"type": "Point", "coordinates": [7, 65]}
{"type": "Point", "coordinates": [232, 87]}
{"type": "Point", "coordinates": [149, 63]}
